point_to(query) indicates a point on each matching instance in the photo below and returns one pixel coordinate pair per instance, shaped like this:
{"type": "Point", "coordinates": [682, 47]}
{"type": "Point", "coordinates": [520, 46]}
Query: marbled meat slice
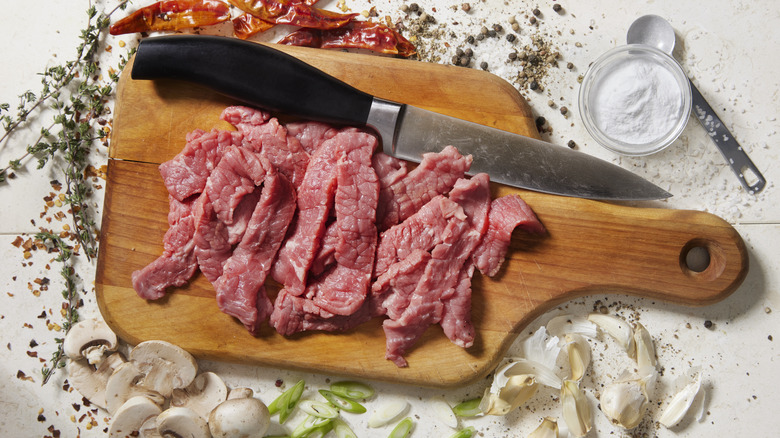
{"type": "Point", "coordinates": [240, 289]}
{"type": "Point", "coordinates": [506, 213]}
{"type": "Point", "coordinates": [456, 314]}
{"type": "Point", "coordinates": [311, 135]}
{"type": "Point", "coordinates": [435, 175]}
{"type": "Point", "coordinates": [186, 174]}
{"type": "Point", "coordinates": [266, 135]}
{"type": "Point", "coordinates": [315, 199]}
{"type": "Point", "coordinates": [177, 264]}
{"type": "Point", "coordinates": [388, 169]}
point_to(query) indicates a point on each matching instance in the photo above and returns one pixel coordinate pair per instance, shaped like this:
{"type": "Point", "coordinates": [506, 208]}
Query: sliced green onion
{"type": "Point", "coordinates": [342, 429]}
{"type": "Point", "coordinates": [312, 426]}
{"type": "Point", "coordinates": [468, 408]}
{"type": "Point", "coordinates": [318, 409]}
{"type": "Point", "coordinates": [285, 403]}
{"type": "Point", "coordinates": [343, 403]}
{"type": "Point", "coordinates": [464, 433]}
{"type": "Point", "coordinates": [402, 429]}
{"type": "Point", "coordinates": [352, 390]}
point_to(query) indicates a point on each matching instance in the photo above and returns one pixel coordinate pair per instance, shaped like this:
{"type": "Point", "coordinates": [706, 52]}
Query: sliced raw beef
{"type": "Point", "coordinates": [327, 253]}
{"type": "Point", "coordinates": [236, 176]}
{"type": "Point", "coordinates": [388, 169]}
{"type": "Point", "coordinates": [266, 135]}
{"type": "Point", "coordinates": [240, 289]}
{"type": "Point", "coordinates": [177, 264]}
{"type": "Point", "coordinates": [456, 317]}
{"type": "Point", "coordinates": [315, 198]}
{"type": "Point", "coordinates": [186, 174]}
{"type": "Point", "coordinates": [342, 289]}
{"type": "Point", "coordinates": [311, 135]}
{"type": "Point", "coordinates": [438, 290]}
{"type": "Point", "coordinates": [506, 213]}
{"type": "Point", "coordinates": [435, 175]}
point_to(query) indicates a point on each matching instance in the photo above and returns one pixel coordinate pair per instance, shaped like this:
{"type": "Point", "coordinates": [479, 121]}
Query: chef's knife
{"type": "Point", "coordinates": [270, 79]}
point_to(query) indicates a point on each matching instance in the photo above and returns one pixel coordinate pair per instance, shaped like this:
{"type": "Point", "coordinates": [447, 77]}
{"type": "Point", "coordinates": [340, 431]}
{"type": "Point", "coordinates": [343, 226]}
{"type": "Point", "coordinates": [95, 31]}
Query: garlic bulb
{"type": "Point", "coordinates": [618, 329]}
{"type": "Point", "coordinates": [548, 429]}
{"type": "Point", "coordinates": [625, 402]}
{"type": "Point", "coordinates": [575, 409]}
{"type": "Point", "coordinates": [578, 349]}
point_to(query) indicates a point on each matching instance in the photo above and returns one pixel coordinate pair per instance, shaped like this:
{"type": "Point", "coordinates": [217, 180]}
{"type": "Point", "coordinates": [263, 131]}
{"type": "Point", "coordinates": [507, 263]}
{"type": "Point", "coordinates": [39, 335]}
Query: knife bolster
{"type": "Point", "coordinates": [383, 118]}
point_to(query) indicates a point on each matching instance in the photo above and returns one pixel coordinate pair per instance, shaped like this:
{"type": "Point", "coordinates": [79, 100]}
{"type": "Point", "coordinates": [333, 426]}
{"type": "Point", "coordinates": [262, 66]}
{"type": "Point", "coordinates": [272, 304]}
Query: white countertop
{"type": "Point", "coordinates": [728, 48]}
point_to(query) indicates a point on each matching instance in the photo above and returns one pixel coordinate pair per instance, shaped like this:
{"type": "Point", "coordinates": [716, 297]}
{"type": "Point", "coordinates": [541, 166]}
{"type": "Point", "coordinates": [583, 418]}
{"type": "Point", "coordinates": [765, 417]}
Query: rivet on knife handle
{"type": "Point", "coordinates": [749, 175]}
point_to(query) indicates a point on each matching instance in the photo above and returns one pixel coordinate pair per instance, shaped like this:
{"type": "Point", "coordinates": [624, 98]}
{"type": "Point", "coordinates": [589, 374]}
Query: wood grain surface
{"type": "Point", "coordinates": [591, 247]}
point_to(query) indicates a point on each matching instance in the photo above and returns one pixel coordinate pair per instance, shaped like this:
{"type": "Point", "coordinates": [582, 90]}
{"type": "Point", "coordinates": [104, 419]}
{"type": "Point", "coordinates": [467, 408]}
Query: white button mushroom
{"type": "Point", "coordinates": [240, 392]}
{"type": "Point", "coordinates": [203, 395]}
{"type": "Point", "coordinates": [165, 366]}
{"type": "Point", "coordinates": [91, 382]}
{"type": "Point", "coordinates": [131, 416]}
{"type": "Point", "coordinates": [123, 385]}
{"type": "Point", "coordinates": [89, 339]}
{"type": "Point", "coordinates": [239, 418]}
{"type": "Point", "coordinates": [182, 422]}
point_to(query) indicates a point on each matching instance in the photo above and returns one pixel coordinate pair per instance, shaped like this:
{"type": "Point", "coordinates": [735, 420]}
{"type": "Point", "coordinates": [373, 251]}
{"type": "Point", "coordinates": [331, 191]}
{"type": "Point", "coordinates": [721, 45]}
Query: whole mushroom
{"type": "Point", "coordinates": [239, 418]}
{"type": "Point", "coordinates": [89, 339]}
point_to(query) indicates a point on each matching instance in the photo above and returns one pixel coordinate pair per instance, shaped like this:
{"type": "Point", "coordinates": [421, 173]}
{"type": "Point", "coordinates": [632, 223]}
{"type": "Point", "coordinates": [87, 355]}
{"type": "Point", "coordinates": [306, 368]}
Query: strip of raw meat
{"type": "Point", "coordinates": [177, 264]}
{"type": "Point", "coordinates": [506, 213]}
{"type": "Point", "coordinates": [315, 198]}
{"type": "Point", "coordinates": [186, 174]}
{"type": "Point", "coordinates": [392, 291]}
{"type": "Point", "coordinates": [236, 176]}
{"type": "Point", "coordinates": [311, 135]}
{"type": "Point", "coordinates": [240, 290]}
{"type": "Point", "coordinates": [456, 315]}
{"type": "Point", "coordinates": [266, 135]}
{"type": "Point", "coordinates": [327, 253]}
{"type": "Point", "coordinates": [388, 169]}
{"type": "Point", "coordinates": [438, 285]}
{"type": "Point", "coordinates": [435, 175]}
{"type": "Point", "coordinates": [297, 314]}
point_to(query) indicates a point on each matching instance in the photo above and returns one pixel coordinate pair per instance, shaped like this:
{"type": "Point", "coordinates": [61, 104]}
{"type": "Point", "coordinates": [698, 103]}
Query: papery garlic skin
{"type": "Point", "coordinates": [575, 409]}
{"type": "Point", "coordinates": [680, 403]}
{"type": "Point", "coordinates": [547, 429]}
{"type": "Point", "coordinates": [578, 350]}
{"type": "Point", "coordinates": [561, 325]}
{"type": "Point", "coordinates": [624, 402]}
{"type": "Point", "coordinates": [618, 328]}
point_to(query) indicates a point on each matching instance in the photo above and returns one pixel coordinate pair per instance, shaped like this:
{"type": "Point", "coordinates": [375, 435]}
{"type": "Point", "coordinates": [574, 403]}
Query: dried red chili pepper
{"type": "Point", "coordinates": [173, 15]}
{"type": "Point", "coordinates": [247, 25]}
{"type": "Point", "coordinates": [294, 12]}
{"type": "Point", "coordinates": [355, 35]}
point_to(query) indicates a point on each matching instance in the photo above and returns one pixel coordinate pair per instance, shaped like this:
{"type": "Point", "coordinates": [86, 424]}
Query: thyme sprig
{"type": "Point", "coordinates": [55, 243]}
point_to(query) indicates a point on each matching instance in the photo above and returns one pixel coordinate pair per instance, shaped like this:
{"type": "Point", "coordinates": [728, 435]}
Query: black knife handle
{"type": "Point", "coordinates": [252, 73]}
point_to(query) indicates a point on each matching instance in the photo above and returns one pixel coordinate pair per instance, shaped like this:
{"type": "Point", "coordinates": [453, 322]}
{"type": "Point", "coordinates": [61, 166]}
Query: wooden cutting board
{"type": "Point", "coordinates": [591, 247]}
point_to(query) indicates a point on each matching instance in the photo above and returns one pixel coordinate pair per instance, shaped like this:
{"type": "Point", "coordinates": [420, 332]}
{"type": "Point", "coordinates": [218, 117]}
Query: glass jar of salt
{"type": "Point", "coordinates": [635, 100]}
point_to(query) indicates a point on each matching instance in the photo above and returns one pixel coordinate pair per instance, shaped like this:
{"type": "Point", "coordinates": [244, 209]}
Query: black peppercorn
{"type": "Point", "coordinates": [564, 110]}
{"type": "Point", "coordinates": [497, 27]}
{"type": "Point", "coordinates": [540, 121]}
{"type": "Point", "coordinates": [532, 20]}
{"type": "Point", "coordinates": [510, 37]}
{"type": "Point", "coordinates": [571, 144]}
{"type": "Point", "coordinates": [512, 56]}
{"type": "Point", "coordinates": [483, 65]}
{"type": "Point", "coordinates": [707, 324]}
{"type": "Point", "coordinates": [537, 12]}
{"type": "Point", "coordinates": [468, 52]}
{"type": "Point", "coordinates": [533, 85]}
{"type": "Point", "coordinates": [470, 39]}
{"type": "Point", "coordinates": [492, 33]}
{"type": "Point", "coordinates": [414, 7]}
{"type": "Point", "coordinates": [569, 65]}
{"type": "Point", "coordinates": [557, 7]}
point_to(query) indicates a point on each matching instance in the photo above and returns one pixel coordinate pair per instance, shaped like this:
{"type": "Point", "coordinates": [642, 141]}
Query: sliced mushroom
{"type": "Point", "coordinates": [203, 395]}
{"type": "Point", "coordinates": [240, 392]}
{"type": "Point", "coordinates": [240, 417]}
{"type": "Point", "coordinates": [91, 382]}
{"type": "Point", "coordinates": [124, 385]}
{"type": "Point", "coordinates": [129, 418]}
{"type": "Point", "coordinates": [89, 339]}
{"type": "Point", "coordinates": [182, 422]}
{"type": "Point", "coordinates": [149, 429]}
{"type": "Point", "coordinates": [165, 366]}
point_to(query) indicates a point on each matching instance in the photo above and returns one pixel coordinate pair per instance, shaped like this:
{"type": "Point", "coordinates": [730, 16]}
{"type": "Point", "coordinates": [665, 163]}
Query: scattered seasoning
{"type": "Point", "coordinates": [769, 337]}
{"type": "Point", "coordinates": [465, 7]}
{"type": "Point", "coordinates": [414, 7]}
{"type": "Point", "coordinates": [532, 20]}
{"type": "Point", "coordinates": [569, 65]}
{"type": "Point", "coordinates": [707, 324]}
{"type": "Point", "coordinates": [537, 12]}
{"type": "Point", "coordinates": [564, 110]}
{"type": "Point", "coordinates": [511, 37]}
{"type": "Point", "coordinates": [533, 85]}
{"type": "Point", "coordinates": [540, 121]}
{"type": "Point", "coordinates": [512, 56]}
{"type": "Point", "coordinates": [483, 65]}
{"type": "Point", "coordinates": [573, 145]}
{"type": "Point", "coordinates": [497, 27]}
{"type": "Point", "coordinates": [278, 383]}
{"type": "Point", "coordinates": [557, 8]}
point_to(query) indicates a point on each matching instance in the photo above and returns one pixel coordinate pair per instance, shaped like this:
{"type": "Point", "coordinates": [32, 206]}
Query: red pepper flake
{"type": "Point", "coordinates": [32, 353]}
{"type": "Point", "coordinates": [27, 325]}
{"type": "Point", "coordinates": [18, 241]}
{"type": "Point", "coordinates": [22, 376]}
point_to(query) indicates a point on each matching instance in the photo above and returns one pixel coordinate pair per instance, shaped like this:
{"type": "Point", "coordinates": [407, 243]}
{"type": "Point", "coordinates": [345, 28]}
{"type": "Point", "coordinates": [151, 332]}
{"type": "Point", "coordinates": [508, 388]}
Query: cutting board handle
{"type": "Point", "coordinates": [252, 73]}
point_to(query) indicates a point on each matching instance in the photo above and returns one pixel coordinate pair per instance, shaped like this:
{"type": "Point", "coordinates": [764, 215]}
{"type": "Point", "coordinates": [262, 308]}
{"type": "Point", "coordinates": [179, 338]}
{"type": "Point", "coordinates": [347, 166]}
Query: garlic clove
{"type": "Point", "coordinates": [645, 349]}
{"type": "Point", "coordinates": [681, 403]}
{"type": "Point", "coordinates": [575, 409]}
{"type": "Point", "coordinates": [543, 374]}
{"type": "Point", "coordinates": [542, 348]}
{"type": "Point", "coordinates": [561, 325]}
{"type": "Point", "coordinates": [578, 349]}
{"type": "Point", "coordinates": [548, 429]}
{"type": "Point", "coordinates": [618, 328]}
{"type": "Point", "coordinates": [624, 402]}
{"type": "Point", "coordinates": [518, 390]}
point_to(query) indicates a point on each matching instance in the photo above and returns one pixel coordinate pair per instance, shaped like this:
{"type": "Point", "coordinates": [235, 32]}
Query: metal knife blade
{"type": "Point", "coordinates": [271, 79]}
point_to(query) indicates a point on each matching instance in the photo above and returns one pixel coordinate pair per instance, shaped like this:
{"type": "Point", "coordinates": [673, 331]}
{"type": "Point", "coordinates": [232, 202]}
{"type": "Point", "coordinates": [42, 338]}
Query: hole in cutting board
{"type": "Point", "coordinates": [697, 259]}
{"type": "Point", "coordinates": [703, 259]}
